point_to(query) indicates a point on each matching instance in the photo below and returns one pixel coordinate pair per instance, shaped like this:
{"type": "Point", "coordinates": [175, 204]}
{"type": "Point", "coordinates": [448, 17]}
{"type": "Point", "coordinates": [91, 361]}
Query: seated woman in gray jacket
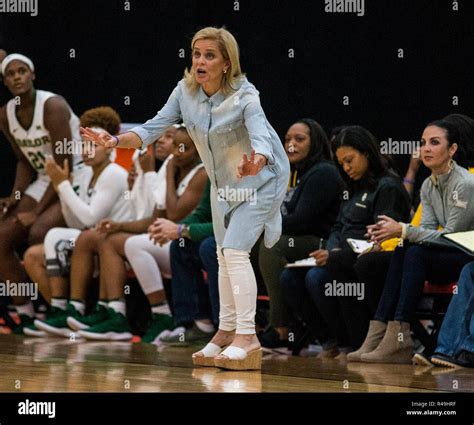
{"type": "Point", "coordinates": [447, 197]}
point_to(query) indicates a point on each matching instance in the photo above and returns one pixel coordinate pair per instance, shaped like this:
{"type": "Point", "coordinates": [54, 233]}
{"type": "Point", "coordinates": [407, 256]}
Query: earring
{"type": "Point", "coordinates": [225, 71]}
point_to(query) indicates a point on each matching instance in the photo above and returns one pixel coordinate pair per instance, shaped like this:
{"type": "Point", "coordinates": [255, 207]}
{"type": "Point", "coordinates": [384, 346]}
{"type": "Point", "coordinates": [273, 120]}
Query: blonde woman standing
{"type": "Point", "coordinates": [249, 173]}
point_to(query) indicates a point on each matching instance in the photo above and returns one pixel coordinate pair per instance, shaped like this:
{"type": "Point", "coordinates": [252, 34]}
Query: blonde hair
{"type": "Point", "coordinates": [229, 49]}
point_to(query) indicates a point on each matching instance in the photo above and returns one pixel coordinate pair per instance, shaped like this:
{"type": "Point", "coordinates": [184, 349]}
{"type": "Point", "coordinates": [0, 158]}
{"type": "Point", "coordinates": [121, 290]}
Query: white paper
{"type": "Point", "coordinates": [307, 262]}
{"type": "Point", "coordinates": [360, 246]}
{"type": "Point", "coordinates": [463, 240]}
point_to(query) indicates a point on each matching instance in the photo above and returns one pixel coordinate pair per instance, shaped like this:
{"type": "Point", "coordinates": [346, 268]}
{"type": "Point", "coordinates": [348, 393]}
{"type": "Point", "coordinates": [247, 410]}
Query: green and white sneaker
{"type": "Point", "coordinates": [32, 330]}
{"type": "Point", "coordinates": [188, 337]}
{"type": "Point", "coordinates": [114, 328]}
{"type": "Point", "coordinates": [25, 321]}
{"type": "Point", "coordinates": [99, 314]}
{"type": "Point", "coordinates": [56, 324]}
{"type": "Point", "coordinates": [159, 324]}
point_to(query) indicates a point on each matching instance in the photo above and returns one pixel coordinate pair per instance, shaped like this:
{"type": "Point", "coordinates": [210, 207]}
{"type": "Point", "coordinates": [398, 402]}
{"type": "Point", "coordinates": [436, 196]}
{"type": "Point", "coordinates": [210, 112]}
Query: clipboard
{"type": "Point", "coordinates": [462, 240]}
{"type": "Point", "coordinates": [307, 262]}
{"type": "Point", "coordinates": [360, 246]}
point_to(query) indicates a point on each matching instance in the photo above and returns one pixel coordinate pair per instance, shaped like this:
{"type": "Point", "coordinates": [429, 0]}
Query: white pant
{"type": "Point", "coordinates": [149, 262]}
{"type": "Point", "coordinates": [53, 236]}
{"type": "Point", "coordinates": [237, 291]}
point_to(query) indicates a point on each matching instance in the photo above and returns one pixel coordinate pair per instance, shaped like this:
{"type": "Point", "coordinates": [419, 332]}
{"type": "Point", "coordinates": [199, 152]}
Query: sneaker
{"type": "Point", "coordinates": [465, 358]}
{"type": "Point", "coordinates": [270, 340]}
{"type": "Point", "coordinates": [114, 328]}
{"type": "Point", "coordinates": [56, 323]}
{"type": "Point", "coordinates": [32, 330]}
{"type": "Point", "coordinates": [99, 314]}
{"type": "Point", "coordinates": [25, 321]}
{"type": "Point", "coordinates": [189, 336]}
{"type": "Point", "coordinates": [159, 324]}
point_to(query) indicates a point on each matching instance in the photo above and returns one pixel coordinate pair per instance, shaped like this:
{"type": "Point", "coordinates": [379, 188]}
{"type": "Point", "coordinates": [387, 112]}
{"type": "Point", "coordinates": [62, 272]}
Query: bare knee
{"type": "Point", "coordinates": [110, 245]}
{"type": "Point", "coordinates": [11, 235]}
{"type": "Point", "coordinates": [34, 255]}
{"type": "Point", "coordinates": [88, 240]}
{"type": "Point", "coordinates": [36, 234]}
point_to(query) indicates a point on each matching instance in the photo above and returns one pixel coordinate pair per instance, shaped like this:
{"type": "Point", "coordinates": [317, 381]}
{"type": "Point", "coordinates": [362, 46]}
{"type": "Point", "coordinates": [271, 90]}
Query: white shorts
{"type": "Point", "coordinates": [38, 188]}
{"type": "Point", "coordinates": [58, 245]}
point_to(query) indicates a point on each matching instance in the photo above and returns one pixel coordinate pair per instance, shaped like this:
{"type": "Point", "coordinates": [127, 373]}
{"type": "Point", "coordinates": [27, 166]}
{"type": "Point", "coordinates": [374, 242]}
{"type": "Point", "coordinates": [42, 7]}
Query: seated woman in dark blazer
{"type": "Point", "coordinates": [373, 190]}
{"type": "Point", "coordinates": [308, 211]}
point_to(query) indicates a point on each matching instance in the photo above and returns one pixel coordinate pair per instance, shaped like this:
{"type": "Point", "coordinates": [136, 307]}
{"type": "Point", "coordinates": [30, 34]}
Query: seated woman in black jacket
{"type": "Point", "coordinates": [309, 211]}
{"type": "Point", "coordinates": [333, 286]}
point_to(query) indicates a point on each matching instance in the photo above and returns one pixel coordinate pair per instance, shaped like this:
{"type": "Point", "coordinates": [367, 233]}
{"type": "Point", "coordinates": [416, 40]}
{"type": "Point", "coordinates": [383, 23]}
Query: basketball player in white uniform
{"type": "Point", "coordinates": [34, 122]}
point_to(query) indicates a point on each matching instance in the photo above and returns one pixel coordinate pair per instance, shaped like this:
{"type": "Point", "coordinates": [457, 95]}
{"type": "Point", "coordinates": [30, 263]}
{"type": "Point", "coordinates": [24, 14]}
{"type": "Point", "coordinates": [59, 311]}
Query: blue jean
{"type": "Point", "coordinates": [208, 255]}
{"type": "Point", "coordinates": [192, 298]}
{"type": "Point", "coordinates": [410, 266]}
{"type": "Point", "coordinates": [457, 331]}
{"type": "Point", "coordinates": [297, 284]}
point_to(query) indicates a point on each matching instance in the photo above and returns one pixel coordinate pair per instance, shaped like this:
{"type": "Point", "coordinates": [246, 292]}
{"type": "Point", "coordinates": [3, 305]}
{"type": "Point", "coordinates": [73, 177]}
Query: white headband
{"type": "Point", "coordinates": [19, 57]}
{"type": "Point", "coordinates": [98, 129]}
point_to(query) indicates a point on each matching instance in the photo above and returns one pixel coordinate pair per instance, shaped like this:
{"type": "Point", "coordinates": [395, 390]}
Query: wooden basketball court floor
{"type": "Point", "coordinates": [60, 365]}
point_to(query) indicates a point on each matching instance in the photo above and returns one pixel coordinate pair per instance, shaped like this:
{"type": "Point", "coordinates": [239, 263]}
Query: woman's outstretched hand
{"type": "Point", "coordinates": [102, 139]}
{"type": "Point", "coordinates": [252, 166]}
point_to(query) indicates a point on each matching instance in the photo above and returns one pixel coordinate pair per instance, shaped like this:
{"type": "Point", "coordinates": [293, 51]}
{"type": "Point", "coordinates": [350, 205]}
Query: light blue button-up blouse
{"type": "Point", "coordinates": [223, 128]}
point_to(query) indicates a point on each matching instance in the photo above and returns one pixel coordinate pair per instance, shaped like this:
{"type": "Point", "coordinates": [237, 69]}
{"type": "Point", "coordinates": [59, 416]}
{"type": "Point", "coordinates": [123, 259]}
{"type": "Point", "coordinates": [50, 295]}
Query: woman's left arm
{"type": "Point", "coordinates": [460, 217]}
{"type": "Point", "coordinates": [255, 122]}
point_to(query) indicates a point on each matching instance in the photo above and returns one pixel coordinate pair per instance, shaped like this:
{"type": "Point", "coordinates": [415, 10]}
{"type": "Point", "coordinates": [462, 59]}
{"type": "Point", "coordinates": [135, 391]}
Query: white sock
{"type": "Point", "coordinates": [103, 303]}
{"type": "Point", "coordinates": [79, 306]}
{"type": "Point", "coordinates": [205, 327]}
{"type": "Point", "coordinates": [60, 303]}
{"type": "Point", "coordinates": [118, 306]}
{"type": "Point", "coordinates": [26, 309]}
{"type": "Point", "coordinates": [162, 308]}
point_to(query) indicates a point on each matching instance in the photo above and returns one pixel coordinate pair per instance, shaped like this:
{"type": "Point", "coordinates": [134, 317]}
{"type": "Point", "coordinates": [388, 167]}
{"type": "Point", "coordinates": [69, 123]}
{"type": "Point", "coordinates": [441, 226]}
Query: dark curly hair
{"type": "Point", "coordinates": [102, 116]}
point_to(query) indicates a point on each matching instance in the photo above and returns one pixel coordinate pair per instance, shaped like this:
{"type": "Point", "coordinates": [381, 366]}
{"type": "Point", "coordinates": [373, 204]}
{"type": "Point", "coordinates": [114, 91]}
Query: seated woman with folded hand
{"type": "Point", "coordinates": [447, 197]}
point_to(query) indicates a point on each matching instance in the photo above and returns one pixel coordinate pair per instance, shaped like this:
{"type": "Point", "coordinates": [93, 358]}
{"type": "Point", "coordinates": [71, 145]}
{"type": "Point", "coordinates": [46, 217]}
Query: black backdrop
{"type": "Point", "coordinates": [135, 53]}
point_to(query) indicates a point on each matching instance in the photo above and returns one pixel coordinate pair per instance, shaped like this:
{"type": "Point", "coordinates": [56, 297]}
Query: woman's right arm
{"type": "Point", "coordinates": [24, 171]}
{"type": "Point", "coordinates": [140, 226]}
{"type": "Point", "coordinates": [334, 239]}
{"type": "Point", "coordinates": [143, 135]}
{"type": "Point", "coordinates": [107, 191]}
{"type": "Point", "coordinates": [316, 196]}
{"type": "Point", "coordinates": [147, 133]}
